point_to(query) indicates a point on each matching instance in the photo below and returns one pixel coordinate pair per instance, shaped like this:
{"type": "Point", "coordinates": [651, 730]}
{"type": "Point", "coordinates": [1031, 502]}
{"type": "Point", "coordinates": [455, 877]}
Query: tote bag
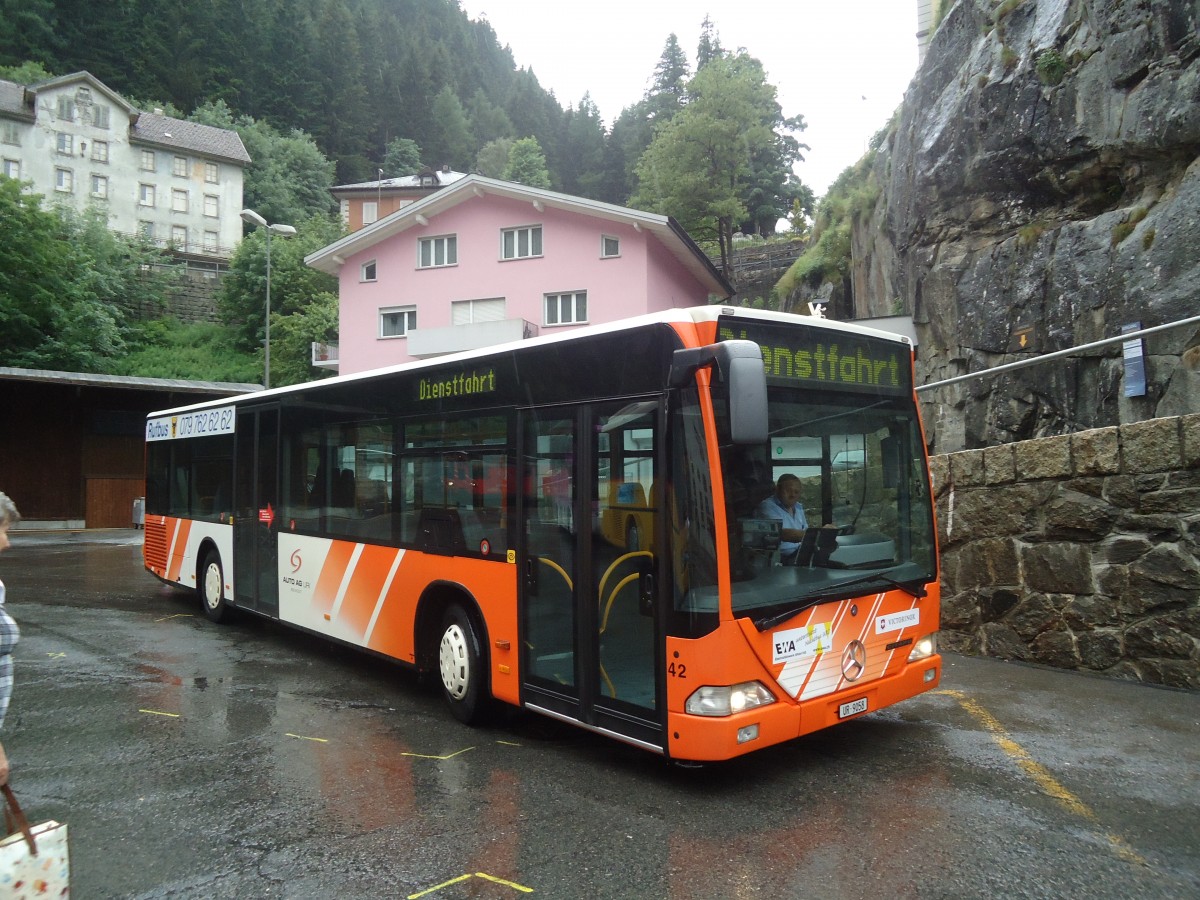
{"type": "Point", "coordinates": [33, 860]}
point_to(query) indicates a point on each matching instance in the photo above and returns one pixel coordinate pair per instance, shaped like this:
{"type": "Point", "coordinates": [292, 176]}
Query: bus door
{"type": "Point", "coordinates": [590, 633]}
{"type": "Point", "coordinates": [256, 505]}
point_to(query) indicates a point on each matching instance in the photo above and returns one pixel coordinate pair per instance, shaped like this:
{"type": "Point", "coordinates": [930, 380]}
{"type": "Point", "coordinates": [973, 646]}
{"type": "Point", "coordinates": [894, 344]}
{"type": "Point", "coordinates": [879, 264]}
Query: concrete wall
{"type": "Point", "coordinates": [1079, 551]}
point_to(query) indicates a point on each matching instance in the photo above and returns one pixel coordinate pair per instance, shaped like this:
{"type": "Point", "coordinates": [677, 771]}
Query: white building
{"type": "Point", "coordinates": [80, 144]}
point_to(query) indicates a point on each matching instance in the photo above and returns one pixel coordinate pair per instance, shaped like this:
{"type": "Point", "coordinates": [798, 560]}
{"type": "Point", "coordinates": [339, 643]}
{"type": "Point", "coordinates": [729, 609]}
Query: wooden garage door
{"type": "Point", "coordinates": [109, 502]}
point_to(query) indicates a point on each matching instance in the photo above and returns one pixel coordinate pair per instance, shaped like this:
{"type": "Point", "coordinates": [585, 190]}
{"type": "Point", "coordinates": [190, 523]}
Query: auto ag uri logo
{"type": "Point", "coordinates": [296, 561]}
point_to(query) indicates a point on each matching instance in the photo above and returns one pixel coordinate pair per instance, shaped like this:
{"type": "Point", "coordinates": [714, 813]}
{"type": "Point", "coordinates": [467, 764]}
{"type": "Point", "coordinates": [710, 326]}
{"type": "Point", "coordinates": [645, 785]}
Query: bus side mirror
{"type": "Point", "coordinates": [740, 366]}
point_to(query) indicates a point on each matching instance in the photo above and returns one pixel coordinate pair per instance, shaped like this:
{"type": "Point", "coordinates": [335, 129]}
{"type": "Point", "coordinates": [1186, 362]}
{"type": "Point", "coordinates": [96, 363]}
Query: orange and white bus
{"type": "Point", "coordinates": [571, 524]}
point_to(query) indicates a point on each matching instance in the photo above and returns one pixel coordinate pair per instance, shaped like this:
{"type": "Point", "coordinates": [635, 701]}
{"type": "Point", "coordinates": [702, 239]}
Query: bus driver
{"type": "Point", "coordinates": [785, 505]}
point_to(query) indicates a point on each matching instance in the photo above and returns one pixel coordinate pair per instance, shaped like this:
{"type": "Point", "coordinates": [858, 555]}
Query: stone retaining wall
{"type": "Point", "coordinates": [1079, 551]}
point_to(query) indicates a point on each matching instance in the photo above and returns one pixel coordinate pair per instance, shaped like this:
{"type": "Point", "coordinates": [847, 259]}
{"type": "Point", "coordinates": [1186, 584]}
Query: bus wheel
{"type": "Point", "coordinates": [212, 588]}
{"type": "Point", "coordinates": [460, 661]}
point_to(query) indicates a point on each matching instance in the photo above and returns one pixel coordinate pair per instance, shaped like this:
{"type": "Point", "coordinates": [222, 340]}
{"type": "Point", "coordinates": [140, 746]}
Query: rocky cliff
{"type": "Point", "coordinates": [1040, 190]}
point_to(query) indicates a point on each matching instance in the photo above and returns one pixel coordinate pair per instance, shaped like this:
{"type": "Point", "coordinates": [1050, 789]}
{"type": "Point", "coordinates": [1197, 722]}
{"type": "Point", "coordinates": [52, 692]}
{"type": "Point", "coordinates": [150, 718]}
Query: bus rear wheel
{"type": "Point", "coordinates": [460, 663]}
{"type": "Point", "coordinates": [211, 587]}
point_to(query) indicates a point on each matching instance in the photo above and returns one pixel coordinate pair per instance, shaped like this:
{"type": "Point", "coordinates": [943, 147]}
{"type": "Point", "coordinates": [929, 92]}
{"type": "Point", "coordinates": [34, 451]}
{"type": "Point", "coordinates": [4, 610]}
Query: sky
{"type": "Point", "coordinates": [842, 64]}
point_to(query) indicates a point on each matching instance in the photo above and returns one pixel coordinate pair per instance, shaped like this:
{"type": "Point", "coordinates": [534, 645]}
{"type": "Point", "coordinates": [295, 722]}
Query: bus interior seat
{"type": "Point", "coordinates": [343, 489]}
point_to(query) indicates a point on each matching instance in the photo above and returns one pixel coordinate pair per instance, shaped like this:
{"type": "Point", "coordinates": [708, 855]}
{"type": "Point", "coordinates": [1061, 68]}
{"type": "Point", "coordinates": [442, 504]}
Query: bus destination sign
{"type": "Point", "coordinates": [813, 356]}
{"type": "Point", "coordinates": [201, 423]}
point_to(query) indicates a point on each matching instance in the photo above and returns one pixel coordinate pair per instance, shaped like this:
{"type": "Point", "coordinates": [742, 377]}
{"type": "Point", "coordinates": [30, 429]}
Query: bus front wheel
{"type": "Point", "coordinates": [460, 663]}
{"type": "Point", "coordinates": [212, 588]}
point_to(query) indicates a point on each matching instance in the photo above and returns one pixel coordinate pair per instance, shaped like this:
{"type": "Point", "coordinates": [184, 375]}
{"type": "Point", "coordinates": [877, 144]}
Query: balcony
{"type": "Point", "coordinates": [426, 342]}
{"type": "Point", "coordinates": [324, 356]}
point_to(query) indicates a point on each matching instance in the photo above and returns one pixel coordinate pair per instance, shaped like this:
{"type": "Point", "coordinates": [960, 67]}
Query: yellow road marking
{"type": "Point", "coordinates": [156, 712]}
{"type": "Point", "coordinates": [509, 743]}
{"type": "Point", "coordinates": [1040, 775]}
{"type": "Point", "coordinates": [434, 756]}
{"type": "Point", "coordinates": [304, 737]}
{"type": "Point", "coordinates": [175, 616]}
{"type": "Point", "coordinates": [59, 655]}
{"type": "Point", "coordinates": [438, 887]}
{"type": "Point", "coordinates": [511, 884]}
{"type": "Point", "coordinates": [461, 878]}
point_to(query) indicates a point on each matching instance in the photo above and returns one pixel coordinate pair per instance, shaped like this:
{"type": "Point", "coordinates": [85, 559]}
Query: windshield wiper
{"type": "Point", "coordinates": [914, 587]}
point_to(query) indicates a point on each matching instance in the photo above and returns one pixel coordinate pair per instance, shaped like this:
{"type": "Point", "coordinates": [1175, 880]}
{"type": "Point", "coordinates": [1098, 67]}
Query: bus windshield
{"type": "Point", "coordinates": [834, 504]}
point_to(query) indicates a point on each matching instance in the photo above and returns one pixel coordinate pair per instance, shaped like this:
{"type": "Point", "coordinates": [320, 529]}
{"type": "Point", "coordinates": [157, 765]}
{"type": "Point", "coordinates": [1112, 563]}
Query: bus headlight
{"type": "Point", "coordinates": [713, 700]}
{"type": "Point", "coordinates": [924, 648]}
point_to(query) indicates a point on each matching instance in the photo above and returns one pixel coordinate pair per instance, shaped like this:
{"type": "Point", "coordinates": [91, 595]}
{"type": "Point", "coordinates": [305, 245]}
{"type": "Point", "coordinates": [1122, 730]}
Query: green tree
{"type": "Point", "coordinates": [493, 157]}
{"type": "Point", "coordinates": [527, 164]}
{"type": "Point", "coordinates": [403, 157]}
{"type": "Point", "coordinates": [727, 148]}
{"type": "Point", "coordinates": [288, 178]}
{"type": "Point", "coordinates": [669, 86]}
{"type": "Point", "coordinates": [709, 47]}
{"type": "Point", "coordinates": [449, 141]}
{"type": "Point", "coordinates": [581, 170]}
{"type": "Point", "coordinates": [68, 285]}
{"type": "Point", "coordinates": [25, 73]}
{"type": "Point", "coordinates": [292, 337]}
{"type": "Point", "coordinates": [294, 287]}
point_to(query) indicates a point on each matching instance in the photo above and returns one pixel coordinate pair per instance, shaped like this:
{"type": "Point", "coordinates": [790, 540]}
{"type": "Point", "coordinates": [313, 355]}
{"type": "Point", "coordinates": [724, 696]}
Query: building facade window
{"type": "Point", "coordinates": [210, 241]}
{"type": "Point", "coordinates": [66, 144]}
{"type": "Point", "coordinates": [147, 161]}
{"type": "Point", "coordinates": [437, 251]}
{"type": "Point", "coordinates": [100, 116]}
{"type": "Point", "coordinates": [397, 321]}
{"type": "Point", "coordinates": [100, 186]}
{"type": "Point", "coordinates": [179, 236]}
{"type": "Point", "coordinates": [212, 205]}
{"type": "Point", "coordinates": [566, 309]}
{"type": "Point", "coordinates": [12, 168]}
{"type": "Point", "coordinates": [9, 133]}
{"type": "Point", "coordinates": [100, 151]}
{"type": "Point", "coordinates": [145, 195]}
{"type": "Point", "coordinates": [367, 271]}
{"type": "Point", "coordinates": [179, 200]}
{"type": "Point", "coordinates": [64, 180]}
{"type": "Point", "coordinates": [519, 243]}
{"type": "Point", "coordinates": [370, 212]}
{"type": "Point", "coordinates": [609, 246]}
{"type": "Point", "coordinates": [470, 312]}
{"type": "Point", "coordinates": [179, 166]}
{"type": "Point", "coordinates": [66, 108]}
{"type": "Point", "coordinates": [146, 230]}
{"type": "Point", "coordinates": [212, 173]}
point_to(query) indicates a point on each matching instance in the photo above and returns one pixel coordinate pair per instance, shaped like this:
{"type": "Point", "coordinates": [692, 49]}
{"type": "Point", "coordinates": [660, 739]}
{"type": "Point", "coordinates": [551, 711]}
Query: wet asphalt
{"type": "Point", "coordinates": [246, 761]}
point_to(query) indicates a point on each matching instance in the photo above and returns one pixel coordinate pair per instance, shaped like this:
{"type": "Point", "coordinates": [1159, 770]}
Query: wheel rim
{"type": "Point", "coordinates": [455, 662]}
{"type": "Point", "coordinates": [212, 586]}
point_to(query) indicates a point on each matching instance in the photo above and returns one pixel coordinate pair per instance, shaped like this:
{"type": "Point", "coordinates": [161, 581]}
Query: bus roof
{"type": "Point", "coordinates": [693, 314]}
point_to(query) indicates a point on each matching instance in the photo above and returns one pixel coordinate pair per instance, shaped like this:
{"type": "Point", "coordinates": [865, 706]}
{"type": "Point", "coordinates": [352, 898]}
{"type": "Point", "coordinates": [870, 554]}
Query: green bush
{"type": "Point", "coordinates": [1051, 67]}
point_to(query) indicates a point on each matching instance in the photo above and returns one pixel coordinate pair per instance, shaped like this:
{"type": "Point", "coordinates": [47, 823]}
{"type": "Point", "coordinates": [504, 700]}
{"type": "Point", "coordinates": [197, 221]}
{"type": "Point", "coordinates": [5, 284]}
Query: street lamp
{"type": "Point", "coordinates": [251, 217]}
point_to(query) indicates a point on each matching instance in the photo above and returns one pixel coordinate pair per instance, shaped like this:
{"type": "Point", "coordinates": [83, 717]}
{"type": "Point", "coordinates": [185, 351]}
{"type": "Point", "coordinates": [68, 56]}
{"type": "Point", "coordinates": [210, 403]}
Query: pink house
{"type": "Point", "coordinates": [482, 262]}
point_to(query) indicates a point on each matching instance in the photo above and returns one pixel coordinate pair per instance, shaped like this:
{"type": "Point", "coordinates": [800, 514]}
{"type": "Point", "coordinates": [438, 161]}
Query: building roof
{"type": "Point", "coordinates": [207, 140]}
{"type": "Point", "coordinates": [12, 100]}
{"type": "Point", "coordinates": [82, 379]}
{"type": "Point", "coordinates": [669, 232]}
{"type": "Point", "coordinates": [145, 128]}
{"type": "Point", "coordinates": [401, 184]}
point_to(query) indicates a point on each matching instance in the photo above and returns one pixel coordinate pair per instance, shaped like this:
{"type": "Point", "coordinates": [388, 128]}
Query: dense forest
{"type": "Point", "coordinates": [335, 91]}
{"type": "Point", "coordinates": [358, 75]}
